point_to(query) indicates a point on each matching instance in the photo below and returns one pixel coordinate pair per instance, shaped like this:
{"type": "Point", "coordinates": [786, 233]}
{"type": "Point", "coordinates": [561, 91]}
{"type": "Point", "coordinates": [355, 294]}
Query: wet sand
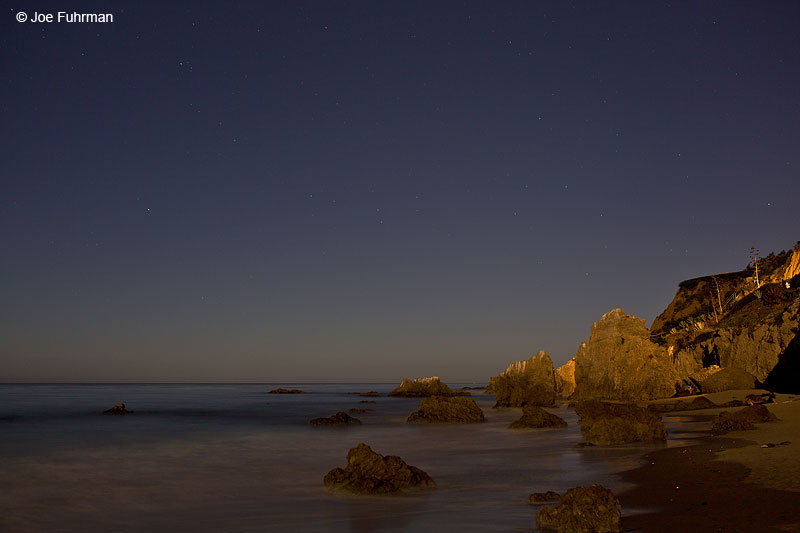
{"type": "Point", "coordinates": [725, 483]}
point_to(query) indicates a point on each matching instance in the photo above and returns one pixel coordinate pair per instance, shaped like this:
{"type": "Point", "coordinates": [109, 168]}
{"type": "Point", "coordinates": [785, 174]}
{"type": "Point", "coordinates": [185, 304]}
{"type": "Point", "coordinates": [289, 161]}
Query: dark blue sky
{"type": "Point", "coordinates": [326, 191]}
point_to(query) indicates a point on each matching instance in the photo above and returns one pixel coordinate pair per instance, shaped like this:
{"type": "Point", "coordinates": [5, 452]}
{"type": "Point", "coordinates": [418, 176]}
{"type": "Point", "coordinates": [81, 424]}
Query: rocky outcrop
{"type": "Point", "coordinates": [741, 420]}
{"type": "Point", "coordinates": [422, 387]}
{"type": "Point", "coordinates": [370, 394]}
{"type": "Point", "coordinates": [287, 391]}
{"type": "Point", "coordinates": [339, 419]}
{"type": "Point", "coordinates": [723, 379]}
{"type": "Point", "coordinates": [752, 337]}
{"type": "Point", "coordinates": [359, 410]}
{"type": "Point", "coordinates": [565, 379]}
{"type": "Point", "coordinates": [368, 472]}
{"type": "Point", "coordinates": [456, 410]}
{"type": "Point", "coordinates": [541, 498]}
{"type": "Point", "coordinates": [583, 509]}
{"type": "Point", "coordinates": [603, 424]}
{"type": "Point", "coordinates": [619, 362]}
{"type": "Point", "coordinates": [535, 417]}
{"type": "Point", "coordinates": [526, 382]}
{"type": "Point", "coordinates": [118, 409]}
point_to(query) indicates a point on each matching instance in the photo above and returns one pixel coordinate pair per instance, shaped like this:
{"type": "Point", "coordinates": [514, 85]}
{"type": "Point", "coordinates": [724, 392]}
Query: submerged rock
{"type": "Point", "coordinates": [604, 424]}
{"type": "Point", "coordinates": [620, 362]}
{"type": "Point", "coordinates": [422, 387]}
{"type": "Point", "coordinates": [339, 419]}
{"type": "Point", "coordinates": [540, 498]}
{"type": "Point", "coordinates": [359, 410]}
{"type": "Point", "coordinates": [286, 391]}
{"type": "Point", "coordinates": [536, 417]}
{"type": "Point", "coordinates": [118, 409]}
{"type": "Point", "coordinates": [741, 420]}
{"type": "Point", "coordinates": [526, 382]}
{"type": "Point", "coordinates": [370, 394]}
{"type": "Point", "coordinates": [457, 409]}
{"type": "Point", "coordinates": [368, 472]}
{"type": "Point", "coordinates": [583, 509]}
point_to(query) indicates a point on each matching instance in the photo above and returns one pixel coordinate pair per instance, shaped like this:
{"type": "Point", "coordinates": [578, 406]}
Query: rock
{"type": "Point", "coordinates": [565, 379]}
{"type": "Point", "coordinates": [368, 472]}
{"type": "Point", "coordinates": [422, 387]}
{"type": "Point", "coordinates": [619, 362]}
{"type": "Point", "coordinates": [583, 509]}
{"type": "Point", "coordinates": [370, 394]}
{"type": "Point", "coordinates": [535, 417]}
{"type": "Point", "coordinates": [603, 423]}
{"type": "Point", "coordinates": [526, 382]}
{"type": "Point", "coordinates": [539, 498]}
{"type": "Point", "coordinates": [359, 410]}
{"type": "Point", "coordinates": [117, 410]}
{"type": "Point", "coordinates": [286, 391]}
{"type": "Point", "coordinates": [701, 402]}
{"type": "Point", "coordinates": [367, 401]}
{"type": "Point", "coordinates": [444, 409]}
{"type": "Point", "coordinates": [753, 336]}
{"type": "Point", "coordinates": [741, 420]}
{"type": "Point", "coordinates": [727, 379]}
{"type": "Point", "coordinates": [340, 418]}
{"type": "Point", "coordinates": [462, 392]}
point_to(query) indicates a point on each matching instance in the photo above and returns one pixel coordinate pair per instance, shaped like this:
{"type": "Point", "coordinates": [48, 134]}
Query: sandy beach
{"type": "Point", "coordinates": [741, 481]}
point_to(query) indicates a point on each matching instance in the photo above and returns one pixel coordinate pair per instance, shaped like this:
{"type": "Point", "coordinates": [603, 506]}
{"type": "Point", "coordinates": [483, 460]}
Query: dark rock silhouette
{"type": "Point", "coordinates": [457, 410]}
{"type": "Point", "coordinates": [583, 509]}
{"type": "Point", "coordinates": [118, 409]}
{"type": "Point", "coordinates": [287, 391]}
{"type": "Point", "coordinates": [339, 419]}
{"type": "Point", "coordinates": [535, 417]}
{"type": "Point", "coordinates": [612, 423]}
{"type": "Point", "coordinates": [540, 498]}
{"type": "Point", "coordinates": [741, 420]}
{"type": "Point", "coordinates": [368, 472]}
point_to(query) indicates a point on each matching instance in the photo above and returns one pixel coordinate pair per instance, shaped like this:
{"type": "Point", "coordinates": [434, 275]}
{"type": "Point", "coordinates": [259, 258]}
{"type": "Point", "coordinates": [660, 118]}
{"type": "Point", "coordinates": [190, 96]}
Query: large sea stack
{"type": "Point", "coordinates": [620, 362]}
{"type": "Point", "coordinates": [526, 382]}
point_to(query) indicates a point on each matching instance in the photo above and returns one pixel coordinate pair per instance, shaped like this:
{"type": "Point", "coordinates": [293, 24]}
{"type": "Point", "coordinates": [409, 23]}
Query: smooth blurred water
{"type": "Point", "coordinates": [222, 457]}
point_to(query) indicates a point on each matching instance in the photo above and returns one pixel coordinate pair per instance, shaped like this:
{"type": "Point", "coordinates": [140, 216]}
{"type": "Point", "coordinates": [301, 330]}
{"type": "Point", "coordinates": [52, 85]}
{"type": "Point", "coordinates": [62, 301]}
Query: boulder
{"type": "Point", "coordinates": [368, 472]}
{"type": "Point", "coordinates": [339, 419]}
{"type": "Point", "coordinates": [535, 417]}
{"type": "Point", "coordinates": [118, 409]}
{"type": "Point", "coordinates": [359, 410]}
{"type": "Point", "coordinates": [456, 409]}
{"type": "Point", "coordinates": [620, 362]}
{"type": "Point", "coordinates": [286, 391]}
{"type": "Point", "coordinates": [565, 379]}
{"type": "Point", "coordinates": [422, 387]}
{"type": "Point", "coordinates": [526, 382]}
{"type": "Point", "coordinates": [583, 509]}
{"type": "Point", "coordinates": [742, 420]}
{"type": "Point", "coordinates": [701, 402]}
{"type": "Point", "coordinates": [603, 423]}
{"type": "Point", "coordinates": [540, 498]}
{"type": "Point", "coordinates": [729, 378]}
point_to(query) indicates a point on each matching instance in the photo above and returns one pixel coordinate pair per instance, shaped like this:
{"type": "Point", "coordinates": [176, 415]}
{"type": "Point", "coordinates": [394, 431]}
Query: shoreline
{"type": "Point", "coordinates": [722, 483]}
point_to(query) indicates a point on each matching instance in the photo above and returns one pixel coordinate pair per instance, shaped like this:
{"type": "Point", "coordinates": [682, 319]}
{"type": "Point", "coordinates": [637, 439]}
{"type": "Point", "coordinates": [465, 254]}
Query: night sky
{"type": "Point", "coordinates": [366, 191]}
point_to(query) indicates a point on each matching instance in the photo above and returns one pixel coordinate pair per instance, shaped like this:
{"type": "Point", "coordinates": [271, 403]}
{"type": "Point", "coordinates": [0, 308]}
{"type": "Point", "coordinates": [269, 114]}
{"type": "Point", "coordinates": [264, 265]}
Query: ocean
{"type": "Point", "coordinates": [230, 457]}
